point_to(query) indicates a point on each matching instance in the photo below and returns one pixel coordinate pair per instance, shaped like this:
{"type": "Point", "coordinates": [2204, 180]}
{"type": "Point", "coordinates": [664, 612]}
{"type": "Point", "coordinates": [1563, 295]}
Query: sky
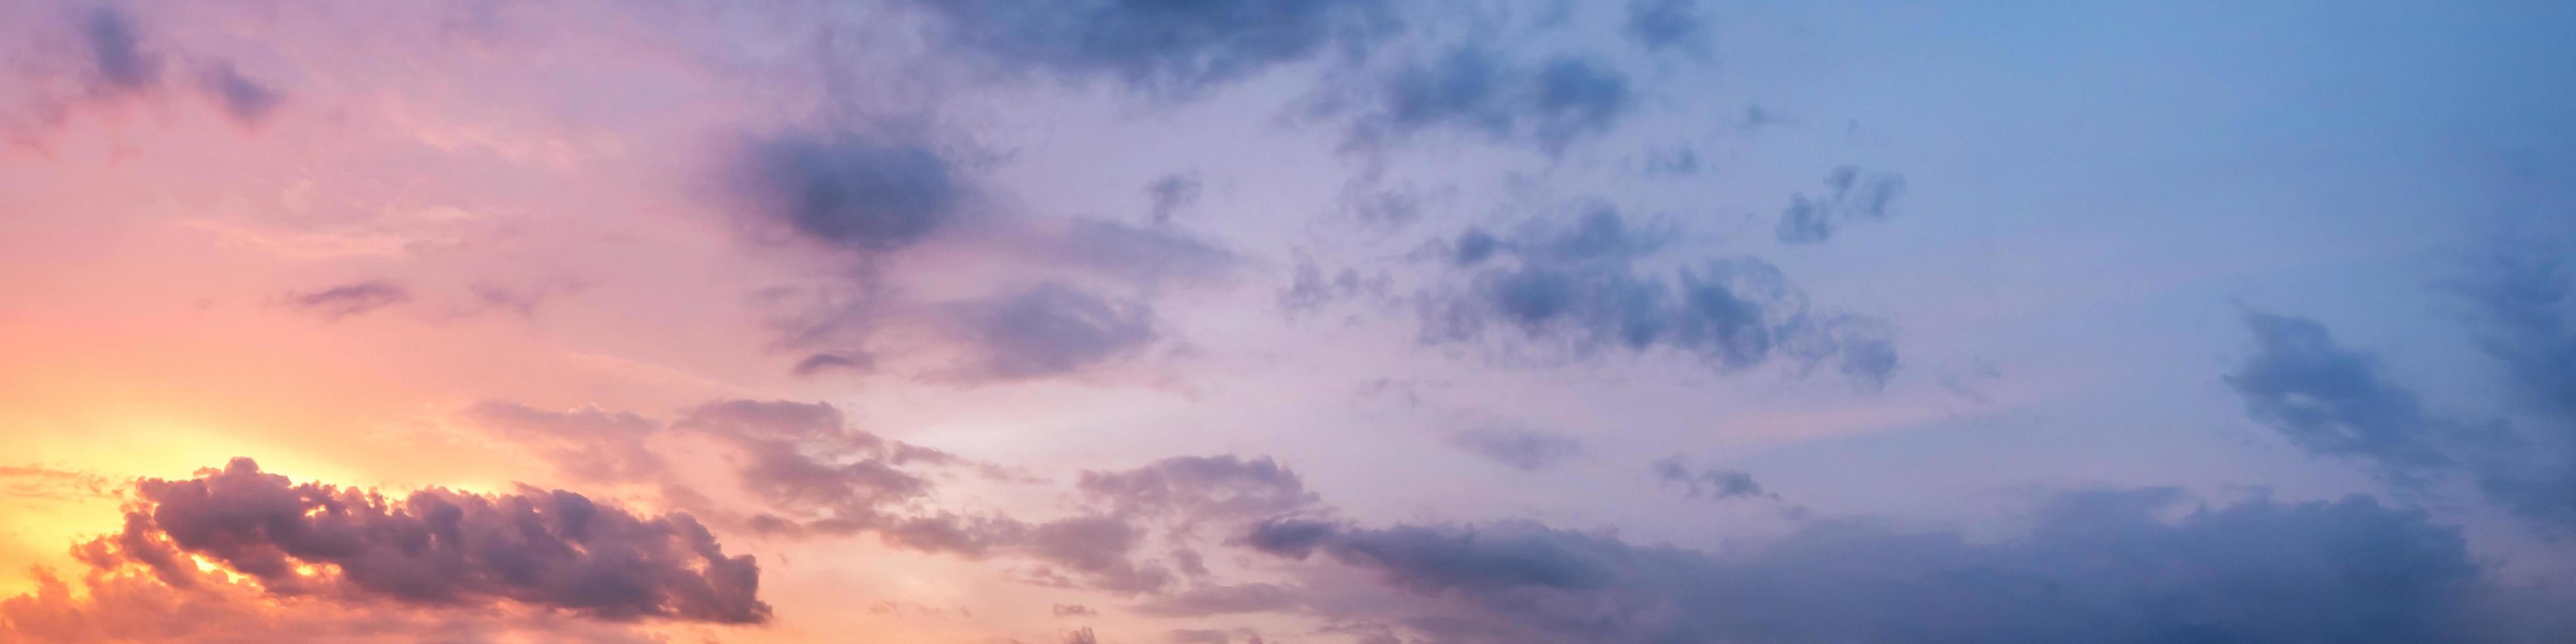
{"type": "Point", "coordinates": [1245, 321]}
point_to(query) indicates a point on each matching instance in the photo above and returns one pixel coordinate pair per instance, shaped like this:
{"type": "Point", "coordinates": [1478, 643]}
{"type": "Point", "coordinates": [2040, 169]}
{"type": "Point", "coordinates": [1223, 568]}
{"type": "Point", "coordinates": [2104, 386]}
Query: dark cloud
{"type": "Point", "coordinates": [350, 299]}
{"type": "Point", "coordinates": [1221, 600]}
{"type": "Point", "coordinates": [1712, 483]}
{"type": "Point", "coordinates": [1667, 24]}
{"type": "Point", "coordinates": [1575, 290]}
{"type": "Point", "coordinates": [1853, 195]}
{"type": "Point", "coordinates": [859, 362]}
{"type": "Point", "coordinates": [1172, 193]}
{"type": "Point", "coordinates": [117, 54]}
{"type": "Point", "coordinates": [433, 547]}
{"type": "Point", "coordinates": [2332, 402]}
{"type": "Point", "coordinates": [2103, 566]}
{"type": "Point", "coordinates": [1473, 90]}
{"type": "Point", "coordinates": [2526, 320]}
{"type": "Point", "coordinates": [850, 190]}
{"type": "Point", "coordinates": [246, 100]}
{"type": "Point", "coordinates": [1166, 48]}
{"type": "Point", "coordinates": [1200, 488]}
{"type": "Point", "coordinates": [1527, 450]}
{"type": "Point", "coordinates": [1054, 329]}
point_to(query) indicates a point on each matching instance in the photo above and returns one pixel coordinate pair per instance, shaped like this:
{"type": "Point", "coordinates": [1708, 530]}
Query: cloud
{"type": "Point", "coordinates": [850, 190]}
{"type": "Point", "coordinates": [859, 362]}
{"type": "Point", "coordinates": [1165, 49]}
{"type": "Point", "coordinates": [587, 443]}
{"type": "Point", "coordinates": [350, 299]}
{"type": "Point", "coordinates": [1171, 193]}
{"type": "Point", "coordinates": [117, 54]}
{"type": "Point", "coordinates": [432, 547]}
{"type": "Point", "coordinates": [1473, 90]}
{"type": "Point", "coordinates": [1053, 329]}
{"type": "Point", "coordinates": [1074, 610]}
{"type": "Point", "coordinates": [2523, 307]}
{"type": "Point", "coordinates": [2332, 402]}
{"type": "Point", "coordinates": [246, 100]}
{"type": "Point", "coordinates": [36, 482]}
{"type": "Point", "coordinates": [1658, 25]}
{"type": "Point", "coordinates": [1194, 488]}
{"type": "Point", "coordinates": [1577, 290]}
{"type": "Point", "coordinates": [1527, 450]}
{"type": "Point", "coordinates": [1713, 483]}
{"type": "Point", "coordinates": [2106, 566]}
{"type": "Point", "coordinates": [1855, 195]}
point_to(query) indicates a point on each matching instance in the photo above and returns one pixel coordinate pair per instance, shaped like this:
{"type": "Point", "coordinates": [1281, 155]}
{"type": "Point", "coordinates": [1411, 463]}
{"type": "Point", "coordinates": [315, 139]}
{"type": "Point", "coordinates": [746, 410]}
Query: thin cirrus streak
{"type": "Point", "coordinates": [1285, 321]}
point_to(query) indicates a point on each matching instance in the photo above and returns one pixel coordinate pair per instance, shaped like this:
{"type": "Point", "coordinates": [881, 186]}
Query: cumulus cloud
{"type": "Point", "coordinates": [1659, 25]}
{"type": "Point", "coordinates": [1524, 449]}
{"type": "Point", "coordinates": [430, 548]}
{"type": "Point", "coordinates": [850, 190]}
{"type": "Point", "coordinates": [1579, 289]}
{"type": "Point", "coordinates": [117, 54]}
{"type": "Point", "coordinates": [247, 100]}
{"type": "Point", "coordinates": [1711, 483]}
{"type": "Point", "coordinates": [2098, 566]}
{"type": "Point", "coordinates": [350, 299]}
{"type": "Point", "coordinates": [2332, 401]}
{"type": "Point", "coordinates": [1171, 50]}
{"type": "Point", "coordinates": [1853, 195]}
{"type": "Point", "coordinates": [1053, 329]}
{"type": "Point", "coordinates": [1476, 91]}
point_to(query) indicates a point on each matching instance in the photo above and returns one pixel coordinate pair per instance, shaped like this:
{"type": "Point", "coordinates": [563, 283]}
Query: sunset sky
{"type": "Point", "coordinates": [1245, 321]}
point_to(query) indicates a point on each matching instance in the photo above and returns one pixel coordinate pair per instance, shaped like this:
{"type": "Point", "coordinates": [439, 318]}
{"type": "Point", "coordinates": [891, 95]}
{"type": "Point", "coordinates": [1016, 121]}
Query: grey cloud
{"type": "Point", "coordinates": [1171, 193]}
{"type": "Point", "coordinates": [1853, 195]}
{"type": "Point", "coordinates": [2098, 566]}
{"type": "Point", "coordinates": [2331, 401]}
{"type": "Point", "coordinates": [1097, 547]}
{"type": "Point", "coordinates": [1527, 450]}
{"type": "Point", "coordinates": [1711, 483]}
{"type": "Point", "coordinates": [1667, 24]}
{"type": "Point", "coordinates": [856, 191]}
{"type": "Point", "coordinates": [435, 547]}
{"type": "Point", "coordinates": [117, 53]}
{"type": "Point", "coordinates": [1473, 90]}
{"type": "Point", "coordinates": [1081, 636]}
{"type": "Point", "coordinates": [350, 299]}
{"type": "Point", "coordinates": [246, 100]}
{"type": "Point", "coordinates": [816, 364]}
{"type": "Point", "coordinates": [1200, 488]}
{"type": "Point", "coordinates": [2523, 313]}
{"type": "Point", "coordinates": [1053, 329]}
{"type": "Point", "coordinates": [1575, 290]}
{"type": "Point", "coordinates": [1167, 49]}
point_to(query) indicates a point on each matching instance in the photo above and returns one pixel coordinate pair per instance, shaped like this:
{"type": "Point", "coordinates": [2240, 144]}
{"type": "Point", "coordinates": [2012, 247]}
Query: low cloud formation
{"type": "Point", "coordinates": [246, 100]}
{"type": "Point", "coordinates": [2333, 402]}
{"type": "Point", "coordinates": [850, 190]}
{"type": "Point", "coordinates": [1168, 50]}
{"type": "Point", "coordinates": [1053, 329]}
{"type": "Point", "coordinates": [1523, 449]}
{"type": "Point", "coordinates": [430, 549]}
{"type": "Point", "coordinates": [117, 54]}
{"type": "Point", "coordinates": [1712, 483]}
{"type": "Point", "coordinates": [2099, 566]}
{"type": "Point", "coordinates": [1853, 195]}
{"type": "Point", "coordinates": [351, 299]}
{"type": "Point", "coordinates": [1172, 193]}
{"type": "Point", "coordinates": [1659, 25]}
{"type": "Point", "coordinates": [1478, 92]}
{"type": "Point", "coordinates": [1579, 289]}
